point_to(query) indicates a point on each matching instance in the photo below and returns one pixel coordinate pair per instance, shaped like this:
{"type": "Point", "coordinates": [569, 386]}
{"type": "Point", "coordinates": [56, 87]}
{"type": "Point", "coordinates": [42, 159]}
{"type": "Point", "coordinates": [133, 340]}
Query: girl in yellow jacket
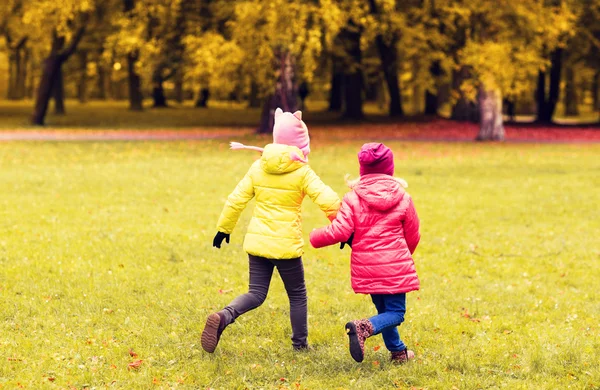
{"type": "Point", "coordinates": [279, 181]}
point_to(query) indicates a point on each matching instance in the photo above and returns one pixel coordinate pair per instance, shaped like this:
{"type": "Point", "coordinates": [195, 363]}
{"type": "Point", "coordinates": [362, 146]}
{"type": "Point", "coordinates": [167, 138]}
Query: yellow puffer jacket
{"type": "Point", "coordinates": [279, 184]}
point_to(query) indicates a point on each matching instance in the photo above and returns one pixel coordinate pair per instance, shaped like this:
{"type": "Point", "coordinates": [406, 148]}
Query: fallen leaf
{"type": "Point", "coordinates": [132, 353]}
{"type": "Point", "coordinates": [134, 364]}
{"type": "Point", "coordinates": [376, 348]}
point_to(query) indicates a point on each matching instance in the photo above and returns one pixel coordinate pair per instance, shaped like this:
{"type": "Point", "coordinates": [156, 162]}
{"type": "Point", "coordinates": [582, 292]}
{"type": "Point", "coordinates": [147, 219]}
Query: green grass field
{"type": "Point", "coordinates": [105, 248]}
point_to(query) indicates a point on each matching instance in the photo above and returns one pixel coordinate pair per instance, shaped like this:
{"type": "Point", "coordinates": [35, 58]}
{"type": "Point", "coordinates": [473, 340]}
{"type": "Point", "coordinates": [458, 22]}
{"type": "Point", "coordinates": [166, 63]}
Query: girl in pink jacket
{"type": "Point", "coordinates": [378, 220]}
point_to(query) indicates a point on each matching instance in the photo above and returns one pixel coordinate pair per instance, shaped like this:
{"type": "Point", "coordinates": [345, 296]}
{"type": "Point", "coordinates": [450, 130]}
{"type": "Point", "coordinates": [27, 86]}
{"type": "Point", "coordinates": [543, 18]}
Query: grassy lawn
{"type": "Point", "coordinates": [105, 252]}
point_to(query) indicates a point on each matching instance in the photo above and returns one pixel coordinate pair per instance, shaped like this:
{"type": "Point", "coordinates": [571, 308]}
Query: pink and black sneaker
{"type": "Point", "coordinates": [358, 331]}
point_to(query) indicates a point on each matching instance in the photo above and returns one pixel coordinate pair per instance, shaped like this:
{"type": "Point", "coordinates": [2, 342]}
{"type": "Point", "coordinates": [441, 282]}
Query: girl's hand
{"type": "Point", "coordinates": [348, 242]}
{"type": "Point", "coordinates": [219, 239]}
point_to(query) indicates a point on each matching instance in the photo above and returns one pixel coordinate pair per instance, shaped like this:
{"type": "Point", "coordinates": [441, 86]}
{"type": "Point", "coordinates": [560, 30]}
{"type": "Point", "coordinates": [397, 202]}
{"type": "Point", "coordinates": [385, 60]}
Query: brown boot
{"type": "Point", "coordinates": [402, 357]}
{"type": "Point", "coordinates": [215, 324]}
{"type": "Point", "coordinates": [358, 331]}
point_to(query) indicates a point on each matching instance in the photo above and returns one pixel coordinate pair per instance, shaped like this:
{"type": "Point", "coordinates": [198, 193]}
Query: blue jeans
{"type": "Point", "coordinates": [391, 309]}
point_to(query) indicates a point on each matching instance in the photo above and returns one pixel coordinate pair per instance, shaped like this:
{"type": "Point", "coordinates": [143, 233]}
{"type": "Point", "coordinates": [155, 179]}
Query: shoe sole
{"type": "Point", "coordinates": [356, 351]}
{"type": "Point", "coordinates": [209, 335]}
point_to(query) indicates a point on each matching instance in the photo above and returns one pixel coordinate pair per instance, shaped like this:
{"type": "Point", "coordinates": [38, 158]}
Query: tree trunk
{"type": "Point", "coordinates": [596, 91]}
{"type": "Point", "coordinates": [103, 81]}
{"type": "Point", "coordinates": [431, 98]}
{"type": "Point", "coordinates": [388, 54]}
{"type": "Point", "coordinates": [202, 99]}
{"type": "Point", "coordinates": [389, 63]}
{"type": "Point", "coordinates": [353, 79]}
{"type": "Point", "coordinates": [336, 92]}
{"type": "Point", "coordinates": [17, 67]}
{"type": "Point", "coordinates": [134, 82]}
{"type": "Point", "coordinates": [158, 92]}
{"type": "Point", "coordinates": [540, 96]}
{"type": "Point", "coordinates": [30, 85]}
{"type": "Point", "coordinates": [463, 109]}
{"type": "Point", "coordinates": [21, 84]}
{"type": "Point", "coordinates": [510, 109]}
{"type": "Point", "coordinates": [267, 116]}
{"type": "Point", "coordinates": [52, 73]}
{"type": "Point", "coordinates": [135, 94]}
{"type": "Point", "coordinates": [491, 125]}
{"type": "Point", "coordinates": [45, 88]}
{"type": "Point", "coordinates": [417, 99]}
{"type": "Point", "coordinates": [253, 100]}
{"type": "Point", "coordinates": [12, 64]}
{"type": "Point", "coordinates": [571, 106]}
{"type": "Point", "coordinates": [58, 92]}
{"type": "Point", "coordinates": [82, 85]}
{"type": "Point", "coordinates": [556, 60]}
{"type": "Point", "coordinates": [285, 96]}
{"type": "Point", "coordinates": [547, 107]}
{"type": "Point", "coordinates": [353, 83]}
{"type": "Point", "coordinates": [179, 98]}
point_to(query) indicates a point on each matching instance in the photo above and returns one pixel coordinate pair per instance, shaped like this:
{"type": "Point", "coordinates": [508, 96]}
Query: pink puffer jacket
{"type": "Point", "coordinates": [386, 232]}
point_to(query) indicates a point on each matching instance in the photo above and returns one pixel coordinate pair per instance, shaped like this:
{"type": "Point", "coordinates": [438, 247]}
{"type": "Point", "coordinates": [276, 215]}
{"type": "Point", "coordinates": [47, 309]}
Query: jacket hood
{"type": "Point", "coordinates": [379, 191]}
{"type": "Point", "coordinates": [278, 159]}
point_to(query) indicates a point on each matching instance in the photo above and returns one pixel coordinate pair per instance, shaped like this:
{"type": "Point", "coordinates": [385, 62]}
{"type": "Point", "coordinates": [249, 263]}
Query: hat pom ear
{"type": "Point", "coordinates": [298, 114]}
{"type": "Point", "coordinates": [278, 112]}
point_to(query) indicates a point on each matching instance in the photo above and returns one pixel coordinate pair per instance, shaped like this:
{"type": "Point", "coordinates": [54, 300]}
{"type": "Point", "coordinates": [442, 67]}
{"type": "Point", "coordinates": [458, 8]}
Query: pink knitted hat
{"type": "Point", "coordinates": [376, 158]}
{"type": "Point", "coordinates": [290, 130]}
{"type": "Point", "coordinates": [287, 130]}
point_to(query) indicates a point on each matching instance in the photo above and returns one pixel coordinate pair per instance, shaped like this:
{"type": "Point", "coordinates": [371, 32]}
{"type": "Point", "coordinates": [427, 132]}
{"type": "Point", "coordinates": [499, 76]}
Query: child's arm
{"type": "Point", "coordinates": [235, 204]}
{"type": "Point", "coordinates": [323, 196]}
{"type": "Point", "coordinates": [411, 227]}
{"type": "Point", "coordinates": [340, 230]}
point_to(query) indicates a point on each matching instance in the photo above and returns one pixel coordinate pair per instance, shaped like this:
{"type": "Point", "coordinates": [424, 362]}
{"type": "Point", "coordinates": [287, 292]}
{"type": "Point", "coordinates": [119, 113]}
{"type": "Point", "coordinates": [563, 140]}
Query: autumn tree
{"type": "Point", "coordinates": [17, 44]}
{"type": "Point", "coordinates": [61, 24]}
{"type": "Point", "coordinates": [581, 56]}
{"type": "Point", "coordinates": [281, 42]}
{"type": "Point", "coordinates": [503, 51]}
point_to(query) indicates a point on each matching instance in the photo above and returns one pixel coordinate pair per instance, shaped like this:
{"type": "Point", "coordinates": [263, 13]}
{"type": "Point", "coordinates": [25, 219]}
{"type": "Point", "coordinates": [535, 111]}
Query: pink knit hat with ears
{"type": "Point", "coordinates": [376, 158]}
{"type": "Point", "coordinates": [290, 130]}
{"type": "Point", "coordinates": [287, 130]}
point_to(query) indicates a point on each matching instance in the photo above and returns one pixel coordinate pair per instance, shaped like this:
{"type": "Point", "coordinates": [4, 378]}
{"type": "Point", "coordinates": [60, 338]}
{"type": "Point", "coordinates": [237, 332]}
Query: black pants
{"type": "Point", "coordinates": [261, 271]}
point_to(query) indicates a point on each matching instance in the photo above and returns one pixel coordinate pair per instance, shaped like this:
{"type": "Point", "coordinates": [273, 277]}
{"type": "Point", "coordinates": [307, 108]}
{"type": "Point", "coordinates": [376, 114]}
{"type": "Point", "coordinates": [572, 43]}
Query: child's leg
{"type": "Point", "coordinates": [292, 274]}
{"type": "Point", "coordinates": [391, 309]}
{"type": "Point", "coordinates": [261, 271]}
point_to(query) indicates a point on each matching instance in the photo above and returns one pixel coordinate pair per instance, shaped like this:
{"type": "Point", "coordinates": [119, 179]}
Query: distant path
{"type": "Point", "coordinates": [431, 131]}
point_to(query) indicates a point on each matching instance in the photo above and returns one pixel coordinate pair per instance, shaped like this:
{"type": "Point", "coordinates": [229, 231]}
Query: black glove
{"type": "Point", "coordinates": [219, 239]}
{"type": "Point", "coordinates": [349, 242]}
